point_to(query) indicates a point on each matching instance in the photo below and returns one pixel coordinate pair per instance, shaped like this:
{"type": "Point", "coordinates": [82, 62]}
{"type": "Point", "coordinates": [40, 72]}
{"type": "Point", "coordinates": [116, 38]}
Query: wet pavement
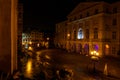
{"type": "Point", "coordinates": [42, 65]}
{"type": "Point", "coordinates": [46, 65]}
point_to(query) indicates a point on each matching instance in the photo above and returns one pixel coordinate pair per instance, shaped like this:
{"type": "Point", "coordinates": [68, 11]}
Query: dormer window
{"type": "Point", "coordinates": [87, 14]}
{"type": "Point", "coordinates": [80, 16]}
{"type": "Point", "coordinates": [96, 11]}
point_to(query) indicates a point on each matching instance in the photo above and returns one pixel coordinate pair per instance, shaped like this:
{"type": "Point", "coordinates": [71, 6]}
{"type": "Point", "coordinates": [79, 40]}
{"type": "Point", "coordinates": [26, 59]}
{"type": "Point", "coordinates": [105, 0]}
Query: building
{"type": "Point", "coordinates": [32, 39]}
{"type": "Point", "coordinates": [91, 26]}
{"type": "Point", "coordinates": [8, 35]}
{"type": "Point", "coordinates": [20, 25]}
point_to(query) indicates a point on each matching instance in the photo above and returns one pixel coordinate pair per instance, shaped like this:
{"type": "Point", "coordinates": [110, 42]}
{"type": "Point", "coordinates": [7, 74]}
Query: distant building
{"type": "Point", "coordinates": [32, 39]}
{"type": "Point", "coordinates": [91, 26]}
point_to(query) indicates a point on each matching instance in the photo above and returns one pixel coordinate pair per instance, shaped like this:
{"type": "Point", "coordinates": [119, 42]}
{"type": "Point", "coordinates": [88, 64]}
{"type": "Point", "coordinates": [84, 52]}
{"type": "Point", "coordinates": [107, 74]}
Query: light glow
{"type": "Point", "coordinates": [30, 42]}
{"type": "Point", "coordinates": [68, 35]}
{"type": "Point", "coordinates": [30, 48]}
{"type": "Point", "coordinates": [80, 34]}
{"type": "Point", "coordinates": [28, 72]}
{"type": "Point", "coordinates": [107, 46]}
{"type": "Point", "coordinates": [38, 45]}
{"type": "Point", "coordinates": [94, 53]}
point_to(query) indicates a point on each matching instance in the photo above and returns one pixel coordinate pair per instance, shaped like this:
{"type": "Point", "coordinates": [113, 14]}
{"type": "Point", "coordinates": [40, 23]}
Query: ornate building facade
{"type": "Point", "coordinates": [32, 39]}
{"type": "Point", "coordinates": [91, 26]}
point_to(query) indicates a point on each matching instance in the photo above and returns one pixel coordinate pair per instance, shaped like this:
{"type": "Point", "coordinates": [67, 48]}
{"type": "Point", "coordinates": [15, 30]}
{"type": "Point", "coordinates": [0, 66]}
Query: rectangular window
{"type": "Point", "coordinates": [114, 10]}
{"type": "Point", "coordinates": [80, 16]}
{"type": "Point", "coordinates": [87, 33]}
{"type": "Point", "coordinates": [74, 35]}
{"type": "Point", "coordinates": [107, 10]}
{"type": "Point", "coordinates": [113, 50]}
{"type": "Point", "coordinates": [96, 11]}
{"type": "Point", "coordinates": [87, 14]}
{"type": "Point", "coordinates": [114, 22]}
{"type": "Point", "coordinates": [95, 33]}
{"type": "Point", "coordinates": [113, 35]}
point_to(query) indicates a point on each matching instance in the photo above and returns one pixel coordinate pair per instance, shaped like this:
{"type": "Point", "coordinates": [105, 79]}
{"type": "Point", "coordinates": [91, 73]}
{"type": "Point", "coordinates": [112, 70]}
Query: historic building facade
{"type": "Point", "coordinates": [91, 26]}
{"type": "Point", "coordinates": [32, 39]}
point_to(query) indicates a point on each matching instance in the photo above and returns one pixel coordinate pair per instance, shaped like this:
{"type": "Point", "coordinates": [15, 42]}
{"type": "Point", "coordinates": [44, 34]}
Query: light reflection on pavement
{"type": "Point", "coordinates": [39, 66]}
{"type": "Point", "coordinates": [48, 62]}
{"type": "Point", "coordinates": [29, 71]}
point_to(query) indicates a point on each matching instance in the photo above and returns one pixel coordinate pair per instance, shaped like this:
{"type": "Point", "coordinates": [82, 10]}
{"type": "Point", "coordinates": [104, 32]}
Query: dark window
{"type": "Point", "coordinates": [107, 10]}
{"type": "Point", "coordinates": [114, 10]}
{"type": "Point", "coordinates": [95, 33]}
{"type": "Point", "coordinates": [114, 22]}
{"type": "Point", "coordinates": [114, 35]}
{"type": "Point", "coordinates": [87, 33]}
{"type": "Point", "coordinates": [96, 11]}
{"type": "Point", "coordinates": [80, 16]}
{"type": "Point", "coordinates": [74, 34]}
{"type": "Point", "coordinates": [87, 14]}
{"type": "Point", "coordinates": [113, 50]}
{"type": "Point", "coordinates": [75, 18]}
{"type": "Point", "coordinates": [70, 19]}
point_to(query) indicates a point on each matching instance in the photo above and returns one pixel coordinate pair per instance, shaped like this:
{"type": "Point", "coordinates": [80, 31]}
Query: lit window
{"type": "Point", "coordinates": [80, 34]}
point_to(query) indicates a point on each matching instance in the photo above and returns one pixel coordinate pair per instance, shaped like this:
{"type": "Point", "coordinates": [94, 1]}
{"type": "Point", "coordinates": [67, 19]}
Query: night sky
{"type": "Point", "coordinates": [44, 14]}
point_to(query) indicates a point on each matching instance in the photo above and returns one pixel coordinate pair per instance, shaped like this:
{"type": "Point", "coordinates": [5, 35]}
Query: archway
{"type": "Point", "coordinates": [86, 49]}
{"type": "Point", "coordinates": [79, 48]}
{"type": "Point", "coordinates": [96, 47]}
{"type": "Point", "coordinates": [74, 47]}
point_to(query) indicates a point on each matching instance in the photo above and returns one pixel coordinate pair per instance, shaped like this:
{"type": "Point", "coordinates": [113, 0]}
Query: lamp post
{"type": "Point", "coordinates": [95, 58]}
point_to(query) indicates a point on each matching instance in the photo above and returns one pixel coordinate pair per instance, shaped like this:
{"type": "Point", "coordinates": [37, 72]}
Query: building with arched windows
{"type": "Point", "coordinates": [33, 39]}
{"type": "Point", "coordinates": [91, 26]}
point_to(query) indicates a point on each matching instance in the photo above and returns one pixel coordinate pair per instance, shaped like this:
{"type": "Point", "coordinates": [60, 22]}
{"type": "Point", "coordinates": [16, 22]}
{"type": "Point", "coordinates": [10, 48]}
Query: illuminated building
{"type": "Point", "coordinates": [33, 38]}
{"type": "Point", "coordinates": [91, 26]}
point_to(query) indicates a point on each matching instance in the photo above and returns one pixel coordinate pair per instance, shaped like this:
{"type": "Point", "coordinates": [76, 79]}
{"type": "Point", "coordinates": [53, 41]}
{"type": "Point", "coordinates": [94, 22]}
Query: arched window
{"type": "Point", "coordinates": [80, 34]}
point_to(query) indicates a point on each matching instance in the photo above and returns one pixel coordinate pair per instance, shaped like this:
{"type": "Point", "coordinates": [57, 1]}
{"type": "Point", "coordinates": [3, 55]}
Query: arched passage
{"type": "Point", "coordinates": [86, 49]}
{"type": "Point", "coordinates": [79, 48]}
{"type": "Point", "coordinates": [96, 47]}
{"type": "Point", "coordinates": [74, 47]}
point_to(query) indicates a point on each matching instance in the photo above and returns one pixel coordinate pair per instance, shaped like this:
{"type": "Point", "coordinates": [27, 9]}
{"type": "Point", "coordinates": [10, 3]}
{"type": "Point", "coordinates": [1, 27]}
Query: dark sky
{"type": "Point", "coordinates": [44, 14]}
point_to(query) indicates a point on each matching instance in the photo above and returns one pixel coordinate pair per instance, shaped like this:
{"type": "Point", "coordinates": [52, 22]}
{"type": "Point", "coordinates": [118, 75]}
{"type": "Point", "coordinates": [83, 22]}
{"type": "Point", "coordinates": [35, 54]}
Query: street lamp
{"type": "Point", "coordinates": [30, 42]}
{"type": "Point", "coordinates": [95, 58]}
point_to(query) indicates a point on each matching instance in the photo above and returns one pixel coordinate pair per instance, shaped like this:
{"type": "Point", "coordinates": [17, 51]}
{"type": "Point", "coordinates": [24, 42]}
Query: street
{"type": "Point", "coordinates": [45, 64]}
